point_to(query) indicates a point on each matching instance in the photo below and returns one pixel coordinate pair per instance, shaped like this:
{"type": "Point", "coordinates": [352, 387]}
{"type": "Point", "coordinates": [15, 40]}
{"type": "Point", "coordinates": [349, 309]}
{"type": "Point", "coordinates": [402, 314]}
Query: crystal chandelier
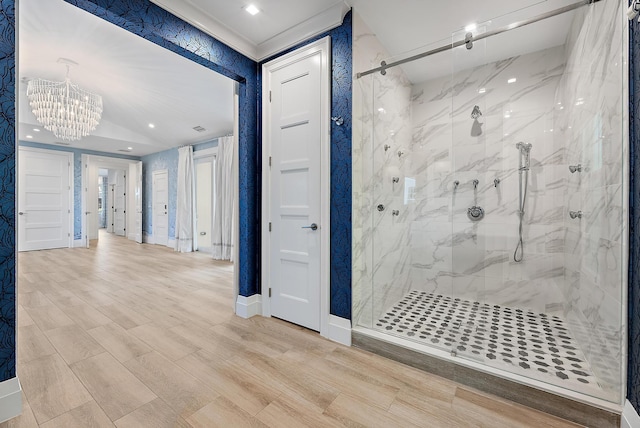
{"type": "Point", "coordinates": [63, 108]}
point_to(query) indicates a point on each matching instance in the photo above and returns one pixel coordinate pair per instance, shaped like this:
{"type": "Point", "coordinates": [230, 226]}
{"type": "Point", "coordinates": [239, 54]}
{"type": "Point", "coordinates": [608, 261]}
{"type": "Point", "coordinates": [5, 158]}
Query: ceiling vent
{"type": "Point", "coordinates": [199, 128]}
{"type": "Point", "coordinates": [60, 143]}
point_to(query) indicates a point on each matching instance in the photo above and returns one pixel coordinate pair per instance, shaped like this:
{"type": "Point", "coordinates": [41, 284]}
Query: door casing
{"type": "Point", "coordinates": [324, 47]}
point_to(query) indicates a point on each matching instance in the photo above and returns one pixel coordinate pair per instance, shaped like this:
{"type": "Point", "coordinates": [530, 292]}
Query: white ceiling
{"type": "Point", "coordinates": [401, 25]}
{"type": "Point", "coordinates": [140, 82]}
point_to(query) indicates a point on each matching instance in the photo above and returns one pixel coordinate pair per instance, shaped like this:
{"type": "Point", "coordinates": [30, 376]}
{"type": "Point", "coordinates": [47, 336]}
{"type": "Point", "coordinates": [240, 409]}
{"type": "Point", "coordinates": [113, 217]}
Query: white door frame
{"type": "Point", "coordinates": [324, 47]}
{"type": "Point", "coordinates": [203, 155]}
{"type": "Point", "coordinates": [70, 156]}
{"type": "Point", "coordinates": [154, 236]}
{"type": "Point", "coordinates": [104, 162]}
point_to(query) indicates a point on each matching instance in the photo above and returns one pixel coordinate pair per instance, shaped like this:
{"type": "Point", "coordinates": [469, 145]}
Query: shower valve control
{"type": "Point", "coordinates": [380, 207]}
{"type": "Point", "coordinates": [575, 214]}
{"type": "Point", "coordinates": [395, 213]}
{"type": "Point", "coordinates": [395, 179]}
{"type": "Point", "coordinates": [575, 168]}
{"type": "Point", "coordinates": [475, 213]}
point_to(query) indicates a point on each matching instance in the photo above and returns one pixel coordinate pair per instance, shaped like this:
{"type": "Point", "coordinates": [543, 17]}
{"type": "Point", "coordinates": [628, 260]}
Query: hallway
{"type": "Point", "coordinates": [140, 336]}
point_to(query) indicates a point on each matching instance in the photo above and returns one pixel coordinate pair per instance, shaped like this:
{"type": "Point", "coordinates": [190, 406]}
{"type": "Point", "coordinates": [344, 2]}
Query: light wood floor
{"type": "Point", "coordinates": [139, 336]}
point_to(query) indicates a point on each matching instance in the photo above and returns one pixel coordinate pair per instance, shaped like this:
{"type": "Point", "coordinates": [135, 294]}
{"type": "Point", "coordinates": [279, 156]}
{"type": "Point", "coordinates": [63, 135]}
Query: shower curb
{"type": "Point", "coordinates": [547, 402]}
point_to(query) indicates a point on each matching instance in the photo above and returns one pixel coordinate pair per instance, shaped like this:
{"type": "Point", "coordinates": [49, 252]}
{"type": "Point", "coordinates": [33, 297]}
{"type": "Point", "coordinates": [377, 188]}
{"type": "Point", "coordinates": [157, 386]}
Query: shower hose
{"type": "Point", "coordinates": [523, 198]}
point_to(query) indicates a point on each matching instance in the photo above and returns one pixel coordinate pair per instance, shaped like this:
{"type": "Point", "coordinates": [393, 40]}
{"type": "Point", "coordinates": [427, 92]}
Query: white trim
{"type": "Point", "coordinates": [318, 24]}
{"type": "Point", "coordinates": [148, 238]}
{"type": "Point", "coordinates": [199, 19]}
{"type": "Point", "coordinates": [78, 243]}
{"type": "Point", "coordinates": [483, 368]}
{"type": "Point", "coordinates": [10, 399]}
{"type": "Point", "coordinates": [153, 205]}
{"type": "Point", "coordinates": [324, 47]}
{"type": "Point", "coordinates": [70, 156]}
{"type": "Point", "coordinates": [247, 307]}
{"type": "Point", "coordinates": [630, 418]}
{"type": "Point", "coordinates": [171, 243]}
{"type": "Point", "coordinates": [206, 153]}
{"type": "Point", "coordinates": [339, 330]}
{"type": "Point", "coordinates": [257, 51]}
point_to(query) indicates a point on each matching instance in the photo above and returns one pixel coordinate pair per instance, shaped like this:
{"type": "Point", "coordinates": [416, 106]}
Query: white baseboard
{"type": "Point", "coordinates": [10, 399]}
{"type": "Point", "coordinates": [79, 243]}
{"type": "Point", "coordinates": [630, 418]}
{"type": "Point", "coordinates": [247, 307]}
{"type": "Point", "coordinates": [340, 330]}
{"type": "Point", "coordinates": [148, 239]}
{"type": "Point", "coordinates": [171, 243]}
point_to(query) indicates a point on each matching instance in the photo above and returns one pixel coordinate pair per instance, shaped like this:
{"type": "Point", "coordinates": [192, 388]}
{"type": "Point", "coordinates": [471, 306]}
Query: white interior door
{"type": "Point", "coordinates": [204, 202]}
{"type": "Point", "coordinates": [161, 207]}
{"type": "Point", "coordinates": [44, 199]}
{"type": "Point", "coordinates": [119, 203]}
{"type": "Point", "coordinates": [138, 201]}
{"type": "Point", "coordinates": [295, 134]}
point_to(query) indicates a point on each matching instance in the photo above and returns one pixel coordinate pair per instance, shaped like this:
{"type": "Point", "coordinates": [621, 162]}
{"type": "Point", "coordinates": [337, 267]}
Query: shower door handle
{"type": "Point", "coordinates": [313, 226]}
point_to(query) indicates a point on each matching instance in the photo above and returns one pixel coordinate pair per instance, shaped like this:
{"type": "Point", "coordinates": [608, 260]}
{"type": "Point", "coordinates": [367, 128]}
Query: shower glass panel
{"type": "Point", "coordinates": [490, 216]}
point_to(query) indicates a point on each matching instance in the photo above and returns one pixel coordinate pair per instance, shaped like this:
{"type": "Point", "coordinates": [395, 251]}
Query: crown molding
{"type": "Point", "coordinates": [196, 17]}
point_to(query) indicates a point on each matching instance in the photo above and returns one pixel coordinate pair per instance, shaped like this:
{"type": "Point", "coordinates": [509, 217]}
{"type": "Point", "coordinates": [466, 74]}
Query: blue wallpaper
{"type": "Point", "coordinates": [155, 162]}
{"type": "Point", "coordinates": [341, 94]}
{"type": "Point", "coordinates": [147, 20]}
{"type": "Point", "coordinates": [168, 160]}
{"type": "Point", "coordinates": [633, 369]}
{"type": "Point", "coordinates": [7, 191]}
{"type": "Point", "coordinates": [77, 176]}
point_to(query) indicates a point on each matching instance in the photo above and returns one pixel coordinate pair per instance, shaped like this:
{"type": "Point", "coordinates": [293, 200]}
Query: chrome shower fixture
{"type": "Point", "coordinates": [575, 168]}
{"type": "Point", "coordinates": [476, 113]}
{"type": "Point", "coordinates": [525, 156]}
{"type": "Point", "coordinates": [523, 169]}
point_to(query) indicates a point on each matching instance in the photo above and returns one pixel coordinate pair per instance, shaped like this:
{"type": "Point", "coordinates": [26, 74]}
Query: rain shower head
{"type": "Point", "coordinates": [476, 113]}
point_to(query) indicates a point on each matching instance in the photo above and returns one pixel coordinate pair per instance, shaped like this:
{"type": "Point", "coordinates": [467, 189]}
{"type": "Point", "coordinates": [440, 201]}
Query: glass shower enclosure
{"type": "Point", "coordinates": [489, 199]}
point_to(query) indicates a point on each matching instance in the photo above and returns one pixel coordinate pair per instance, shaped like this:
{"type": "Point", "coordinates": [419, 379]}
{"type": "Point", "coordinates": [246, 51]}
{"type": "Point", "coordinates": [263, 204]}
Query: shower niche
{"type": "Point", "coordinates": [487, 266]}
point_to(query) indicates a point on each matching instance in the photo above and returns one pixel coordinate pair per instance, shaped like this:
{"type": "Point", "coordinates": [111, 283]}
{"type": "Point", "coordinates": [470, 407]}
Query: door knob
{"type": "Point", "coordinates": [21, 213]}
{"type": "Point", "coordinates": [313, 226]}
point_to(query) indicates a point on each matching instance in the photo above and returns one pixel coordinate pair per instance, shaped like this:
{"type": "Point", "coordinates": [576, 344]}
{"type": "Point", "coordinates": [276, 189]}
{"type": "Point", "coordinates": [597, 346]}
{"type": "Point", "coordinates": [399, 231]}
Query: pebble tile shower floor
{"type": "Point", "coordinates": [532, 344]}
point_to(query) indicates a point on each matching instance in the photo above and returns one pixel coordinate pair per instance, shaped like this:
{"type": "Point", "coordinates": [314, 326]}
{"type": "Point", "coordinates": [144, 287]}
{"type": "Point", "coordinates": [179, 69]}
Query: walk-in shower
{"type": "Point", "coordinates": [443, 278]}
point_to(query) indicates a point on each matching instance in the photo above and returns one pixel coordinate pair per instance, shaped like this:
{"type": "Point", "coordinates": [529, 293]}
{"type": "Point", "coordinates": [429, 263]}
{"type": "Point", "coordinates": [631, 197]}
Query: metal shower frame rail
{"type": "Point", "coordinates": [469, 39]}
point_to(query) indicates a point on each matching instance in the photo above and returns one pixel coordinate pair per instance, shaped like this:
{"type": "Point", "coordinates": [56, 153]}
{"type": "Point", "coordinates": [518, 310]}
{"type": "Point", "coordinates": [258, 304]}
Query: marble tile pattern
{"type": "Point", "coordinates": [591, 130]}
{"type": "Point", "coordinates": [530, 344]}
{"type": "Point", "coordinates": [566, 102]}
{"type": "Point", "coordinates": [155, 24]}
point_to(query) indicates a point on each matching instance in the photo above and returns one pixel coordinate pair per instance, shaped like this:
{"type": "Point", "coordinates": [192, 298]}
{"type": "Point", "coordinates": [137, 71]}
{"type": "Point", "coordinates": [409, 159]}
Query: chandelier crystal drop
{"type": "Point", "coordinates": [64, 108]}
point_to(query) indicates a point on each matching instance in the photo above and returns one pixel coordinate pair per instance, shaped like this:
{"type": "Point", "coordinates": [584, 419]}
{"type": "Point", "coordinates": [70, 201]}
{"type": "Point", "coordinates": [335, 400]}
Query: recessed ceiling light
{"type": "Point", "coordinates": [512, 80]}
{"type": "Point", "coordinates": [29, 136]}
{"type": "Point", "coordinates": [252, 9]}
{"type": "Point", "coordinates": [36, 129]}
{"type": "Point", "coordinates": [129, 148]}
{"type": "Point", "coordinates": [151, 125]}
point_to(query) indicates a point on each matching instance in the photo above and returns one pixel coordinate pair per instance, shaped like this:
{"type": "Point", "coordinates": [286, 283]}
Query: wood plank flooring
{"type": "Point", "coordinates": [131, 335]}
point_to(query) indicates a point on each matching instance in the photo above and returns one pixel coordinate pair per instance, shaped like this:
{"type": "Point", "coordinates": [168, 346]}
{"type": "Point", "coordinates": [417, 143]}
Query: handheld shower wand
{"type": "Point", "coordinates": [523, 169]}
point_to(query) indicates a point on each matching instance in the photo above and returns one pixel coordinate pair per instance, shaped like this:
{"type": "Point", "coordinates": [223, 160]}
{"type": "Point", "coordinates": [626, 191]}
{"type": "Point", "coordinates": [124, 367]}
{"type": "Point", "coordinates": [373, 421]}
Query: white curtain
{"type": "Point", "coordinates": [184, 208]}
{"type": "Point", "coordinates": [223, 216]}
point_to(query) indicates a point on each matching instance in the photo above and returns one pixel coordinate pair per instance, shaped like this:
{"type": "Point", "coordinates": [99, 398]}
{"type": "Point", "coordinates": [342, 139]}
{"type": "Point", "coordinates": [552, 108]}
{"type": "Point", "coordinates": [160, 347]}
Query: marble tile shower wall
{"type": "Point", "coordinates": [382, 116]}
{"type": "Point", "coordinates": [592, 128]}
{"type": "Point", "coordinates": [452, 255]}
